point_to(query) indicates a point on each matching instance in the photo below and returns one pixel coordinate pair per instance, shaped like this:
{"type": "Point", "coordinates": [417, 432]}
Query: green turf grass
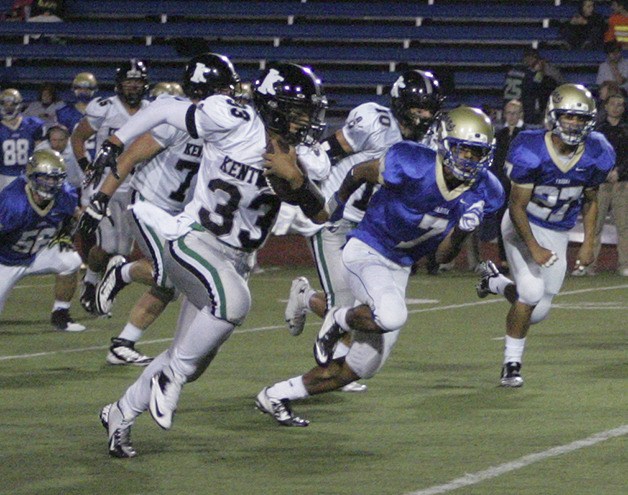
{"type": "Point", "coordinates": [433, 414]}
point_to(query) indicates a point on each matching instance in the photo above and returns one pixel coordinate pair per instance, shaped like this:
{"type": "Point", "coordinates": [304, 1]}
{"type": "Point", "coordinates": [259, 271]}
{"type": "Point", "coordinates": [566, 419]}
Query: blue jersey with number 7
{"type": "Point", "coordinates": [413, 211]}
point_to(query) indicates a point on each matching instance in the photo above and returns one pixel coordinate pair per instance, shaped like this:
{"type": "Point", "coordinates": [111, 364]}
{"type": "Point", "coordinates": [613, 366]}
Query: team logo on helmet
{"type": "Point", "coordinates": [267, 86]}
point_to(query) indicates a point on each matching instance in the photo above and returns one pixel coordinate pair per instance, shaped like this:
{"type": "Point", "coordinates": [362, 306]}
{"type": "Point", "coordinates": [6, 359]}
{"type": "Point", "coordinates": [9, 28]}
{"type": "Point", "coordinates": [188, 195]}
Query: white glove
{"type": "Point", "coordinates": [472, 217]}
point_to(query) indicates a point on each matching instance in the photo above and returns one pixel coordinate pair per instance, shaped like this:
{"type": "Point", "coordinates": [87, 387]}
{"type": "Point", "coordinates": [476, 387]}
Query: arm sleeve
{"type": "Point", "coordinates": [158, 112]}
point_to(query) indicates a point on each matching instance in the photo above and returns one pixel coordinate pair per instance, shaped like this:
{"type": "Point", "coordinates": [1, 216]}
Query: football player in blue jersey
{"type": "Point", "coordinates": [36, 213]}
{"type": "Point", "coordinates": [84, 87]}
{"type": "Point", "coordinates": [429, 202]}
{"type": "Point", "coordinates": [18, 136]}
{"type": "Point", "coordinates": [555, 174]}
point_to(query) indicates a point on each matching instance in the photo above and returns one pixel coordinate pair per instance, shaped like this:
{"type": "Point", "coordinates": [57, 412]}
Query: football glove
{"type": "Point", "coordinates": [94, 213]}
{"type": "Point", "coordinates": [63, 237]}
{"type": "Point", "coordinates": [107, 156]}
{"type": "Point", "coordinates": [472, 217]}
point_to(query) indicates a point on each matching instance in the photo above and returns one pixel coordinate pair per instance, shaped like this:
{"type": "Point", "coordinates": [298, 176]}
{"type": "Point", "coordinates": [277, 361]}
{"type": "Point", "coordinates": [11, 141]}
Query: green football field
{"type": "Point", "coordinates": [432, 421]}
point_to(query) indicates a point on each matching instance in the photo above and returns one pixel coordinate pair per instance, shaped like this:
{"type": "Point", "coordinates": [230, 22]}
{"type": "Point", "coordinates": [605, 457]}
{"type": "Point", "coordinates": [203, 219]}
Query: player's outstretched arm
{"type": "Point", "coordinates": [365, 172]}
{"type": "Point", "coordinates": [142, 149]}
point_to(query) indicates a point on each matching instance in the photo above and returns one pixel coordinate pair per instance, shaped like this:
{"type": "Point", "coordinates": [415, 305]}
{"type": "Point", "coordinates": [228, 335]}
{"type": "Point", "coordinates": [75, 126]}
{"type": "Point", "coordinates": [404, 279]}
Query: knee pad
{"type": "Point", "coordinates": [542, 309]}
{"type": "Point", "coordinates": [530, 290]}
{"type": "Point", "coordinates": [391, 313]}
{"type": "Point", "coordinates": [69, 263]}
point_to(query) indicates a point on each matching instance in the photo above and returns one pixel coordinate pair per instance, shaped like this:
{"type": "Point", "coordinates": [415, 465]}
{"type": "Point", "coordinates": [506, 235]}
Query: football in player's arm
{"type": "Point", "coordinates": [428, 203]}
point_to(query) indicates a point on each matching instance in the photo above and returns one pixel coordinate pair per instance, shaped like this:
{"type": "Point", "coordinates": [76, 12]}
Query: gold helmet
{"type": "Point", "coordinates": [469, 128]}
{"type": "Point", "coordinates": [11, 103]}
{"type": "Point", "coordinates": [84, 86]}
{"type": "Point", "coordinates": [177, 89]}
{"type": "Point", "coordinates": [46, 172]}
{"type": "Point", "coordinates": [161, 88]}
{"type": "Point", "coordinates": [571, 99]}
{"type": "Point", "coordinates": [244, 92]}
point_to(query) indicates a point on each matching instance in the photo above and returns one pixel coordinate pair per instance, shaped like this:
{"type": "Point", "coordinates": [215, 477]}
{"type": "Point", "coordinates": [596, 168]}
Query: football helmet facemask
{"type": "Point", "coordinates": [415, 89]}
{"type": "Point", "coordinates": [466, 142]}
{"type": "Point", "coordinates": [46, 173]}
{"type": "Point", "coordinates": [570, 99]}
{"type": "Point", "coordinates": [291, 102]}
{"type": "Point", "coordinates": [133, 70]}
{"type": "Point", "coordinates": [208, 74]}
{"type": "Point", "coordinates": [11, 104]}
{"type": "Point", "coordinates": [84, 86]}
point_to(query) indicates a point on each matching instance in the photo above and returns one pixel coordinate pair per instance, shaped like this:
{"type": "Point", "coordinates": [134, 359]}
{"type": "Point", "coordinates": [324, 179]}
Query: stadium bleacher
{"type": "Point", "coordinates": [355, 47]}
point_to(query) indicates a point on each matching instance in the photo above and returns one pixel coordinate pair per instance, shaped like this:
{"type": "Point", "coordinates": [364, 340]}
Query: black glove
{"type": "Point", "coordinates": [94, 213]}
{"type": "Point", "coordinates": [106, 157]}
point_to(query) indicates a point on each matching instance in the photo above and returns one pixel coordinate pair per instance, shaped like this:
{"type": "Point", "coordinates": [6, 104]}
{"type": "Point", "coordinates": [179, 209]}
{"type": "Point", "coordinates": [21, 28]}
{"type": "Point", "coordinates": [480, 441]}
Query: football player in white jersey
{"type": "Point", "coordinates": [103, 117]}
{"type": "Point", "coordinates": [211, 245]}
{"type": "Point", "coordinates": [370, 129]}
{"type": "Point", "coordinates": [167, 161]}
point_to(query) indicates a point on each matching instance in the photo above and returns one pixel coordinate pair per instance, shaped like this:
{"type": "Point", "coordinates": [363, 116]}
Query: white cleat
{"type": "Point", "coordinates": [486, 270]}
{"type": "Point", "coordinates": [164, 396]}
{"type": "Point", "coordinates": [511, 375]}
{"type": "Point", "coordinates": [279, 409]}
{"type": "Point", "coordinates": [122, 351]}
{"type": "Point", "coordinates": [118, 431]}
{"type": "Point", "coordinates": [61, 320]}
{"type": "Point", "coordinates": [327, 338]}
{"type": "Point", "coordinates": [354, 387]}
{"type": "Point", "coordinates": [296, 309]}
{"type": "Point", "coordinates": [108, 288]}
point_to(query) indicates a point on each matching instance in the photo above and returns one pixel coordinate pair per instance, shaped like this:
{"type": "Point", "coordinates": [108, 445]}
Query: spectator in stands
{"type": "Point", "coordinates": [618, 23]}
{"type": "Point", "coordinates": [615, 67]}
{"type": "Point", "coordinates": [532, 84]}
{"type": "Point", "coordinates": [513, 125]}
{"type": "Point", "coordinates": [613, 194]}
{"type": "Point", "coordinates": [586, 28]}
{"type": "Point", "coordinates": [46, 105]}
{"type": "Point", "coordinates": [57, 138]}
{"type": "Point", "coordinates": [606, 90]}
{"type": "Point", "coordinates": [46, 11]}
{"type": "Point", "coordinates": [19, 11]}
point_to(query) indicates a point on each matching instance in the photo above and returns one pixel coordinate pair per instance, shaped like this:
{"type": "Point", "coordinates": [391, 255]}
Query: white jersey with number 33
{"type": "Point", "coordinates": [232, 199]}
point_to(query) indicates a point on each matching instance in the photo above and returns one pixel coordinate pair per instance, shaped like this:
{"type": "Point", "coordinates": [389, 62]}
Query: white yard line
{"type": "Point", "coordinates": [276, 327]}
{"type": "Point", "coordinates": [495, 471]}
